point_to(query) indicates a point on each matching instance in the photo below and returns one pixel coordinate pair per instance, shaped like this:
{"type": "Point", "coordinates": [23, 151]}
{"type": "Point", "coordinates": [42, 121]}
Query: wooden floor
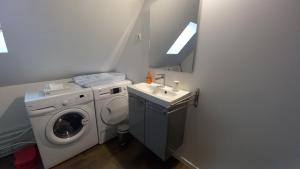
{"type": "Point", "coordinates": [112, 156]}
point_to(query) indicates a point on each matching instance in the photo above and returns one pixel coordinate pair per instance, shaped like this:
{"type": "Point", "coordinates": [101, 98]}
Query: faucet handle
{"type": "Point", "coordinates": [161, 74]}
{"type": "Point", "coordinates": [162, 77]}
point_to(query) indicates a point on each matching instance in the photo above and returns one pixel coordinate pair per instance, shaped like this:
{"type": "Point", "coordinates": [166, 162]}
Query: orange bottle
{"type": "Point", "coordinates": [149, 78]}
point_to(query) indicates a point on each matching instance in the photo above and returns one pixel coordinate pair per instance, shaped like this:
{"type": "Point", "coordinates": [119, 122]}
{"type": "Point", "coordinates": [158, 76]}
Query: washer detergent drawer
{"type": "Point", "coordinates": [41, 112]}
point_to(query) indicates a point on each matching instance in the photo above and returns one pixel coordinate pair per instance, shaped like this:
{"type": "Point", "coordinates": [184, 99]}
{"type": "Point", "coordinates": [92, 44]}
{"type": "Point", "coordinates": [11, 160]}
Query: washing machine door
{"type": "Point", "coordinates": [67, 126]}
{"type": "Point", "coordinates": [115, 110]}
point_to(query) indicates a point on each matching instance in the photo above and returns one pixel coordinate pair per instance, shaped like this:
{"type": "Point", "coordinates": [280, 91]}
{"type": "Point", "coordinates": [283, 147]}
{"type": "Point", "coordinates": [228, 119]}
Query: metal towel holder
{"type": "Point", "coordinates": [194, 97]}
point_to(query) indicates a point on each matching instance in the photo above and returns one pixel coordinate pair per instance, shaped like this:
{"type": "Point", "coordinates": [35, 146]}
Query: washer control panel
{"type": "Point", "coordinates": [59, 101]}
{"type": "Point", "coordinates": [76, 98]}
{"type": "Point", "coordinates": [116, 90]}
{"type": "Point", "coordinates": [113, 90]}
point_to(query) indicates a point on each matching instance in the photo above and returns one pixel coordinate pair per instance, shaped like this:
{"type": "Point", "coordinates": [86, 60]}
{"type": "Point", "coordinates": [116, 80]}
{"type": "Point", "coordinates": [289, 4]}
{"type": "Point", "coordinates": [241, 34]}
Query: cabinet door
{"type": "Point", "coordinates": [137, 117]}
{"type": "Point", "coordinates": [156, 126]}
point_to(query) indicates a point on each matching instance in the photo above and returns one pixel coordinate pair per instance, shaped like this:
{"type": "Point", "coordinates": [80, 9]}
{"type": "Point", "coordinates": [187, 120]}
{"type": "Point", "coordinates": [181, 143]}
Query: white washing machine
{"type": "Point", "coordinates": [111, 104]}
{"type": "Point", "coordinates": [64, 123]}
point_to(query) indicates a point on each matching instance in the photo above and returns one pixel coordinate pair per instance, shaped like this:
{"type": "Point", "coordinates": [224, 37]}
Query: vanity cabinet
{"type": "Point", "coordinates": [136, 117]}
{"type": "Point", "coordinates": [156, 129]}
{"type": "Point", "coordinates": [160, 129]}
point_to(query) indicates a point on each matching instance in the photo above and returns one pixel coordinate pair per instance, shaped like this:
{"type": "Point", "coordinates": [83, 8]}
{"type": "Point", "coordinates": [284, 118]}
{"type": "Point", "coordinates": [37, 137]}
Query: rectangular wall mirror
{"type": "Point", "coordinates": [173, 34]}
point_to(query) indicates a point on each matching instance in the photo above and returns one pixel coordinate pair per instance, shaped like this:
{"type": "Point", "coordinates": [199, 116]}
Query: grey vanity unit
{"type": "Point", "coordinates": [159, 128]}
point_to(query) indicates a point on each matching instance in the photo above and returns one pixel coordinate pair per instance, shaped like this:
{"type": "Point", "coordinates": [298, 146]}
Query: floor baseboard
{"type": "Point", "coordinates": [184, 160]}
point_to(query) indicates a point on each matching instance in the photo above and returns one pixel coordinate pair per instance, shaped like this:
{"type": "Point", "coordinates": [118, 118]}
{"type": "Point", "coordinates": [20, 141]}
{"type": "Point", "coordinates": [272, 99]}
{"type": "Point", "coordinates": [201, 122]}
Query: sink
{"type": "Point", "coordinates": [164, 96]}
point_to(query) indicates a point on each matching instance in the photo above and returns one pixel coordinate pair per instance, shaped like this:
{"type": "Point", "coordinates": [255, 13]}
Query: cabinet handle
{"type": "Point", "coordinates": [141, 101]}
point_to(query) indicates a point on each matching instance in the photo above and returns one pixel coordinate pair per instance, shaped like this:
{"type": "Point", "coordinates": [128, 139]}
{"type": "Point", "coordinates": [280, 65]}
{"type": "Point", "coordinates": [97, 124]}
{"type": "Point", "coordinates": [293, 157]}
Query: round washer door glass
{"type": "Point", "coordinates": [115, 111]}
{"type": "Point", "coordinates": [67, 126]}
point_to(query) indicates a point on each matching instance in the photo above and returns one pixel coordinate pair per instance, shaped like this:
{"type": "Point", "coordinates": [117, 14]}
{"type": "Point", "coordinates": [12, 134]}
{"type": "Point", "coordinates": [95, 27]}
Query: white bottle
{"type": "Point", "coordinates": [176, 85]}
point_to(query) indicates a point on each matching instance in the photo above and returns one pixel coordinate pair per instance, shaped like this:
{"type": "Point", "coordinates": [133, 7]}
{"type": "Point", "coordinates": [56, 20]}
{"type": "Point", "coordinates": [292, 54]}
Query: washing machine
{"type": "Point", "coordinates": [64, 123]}
{"type": "Point", "coordinates": [111, 104]}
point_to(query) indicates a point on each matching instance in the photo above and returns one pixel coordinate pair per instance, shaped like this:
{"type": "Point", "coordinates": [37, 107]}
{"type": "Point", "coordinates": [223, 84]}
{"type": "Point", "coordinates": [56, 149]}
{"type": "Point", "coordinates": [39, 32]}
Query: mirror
{"type": "Point", "coordinates": [173, 34]}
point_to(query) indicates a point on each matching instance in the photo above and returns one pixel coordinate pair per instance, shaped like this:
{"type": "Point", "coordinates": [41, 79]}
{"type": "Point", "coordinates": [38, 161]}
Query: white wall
{"type": "Point", "coordinates": [247, 68]}
{"type": "Point", "coordinates": [134, 60]}
{"type": "Point", "coordinates": [56, 39]}
{"type": "Point", "coordinates": [12, 108]}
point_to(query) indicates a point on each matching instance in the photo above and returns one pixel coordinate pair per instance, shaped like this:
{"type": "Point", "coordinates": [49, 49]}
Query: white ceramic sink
{"type": "Point", "coordinates": [164, 96]}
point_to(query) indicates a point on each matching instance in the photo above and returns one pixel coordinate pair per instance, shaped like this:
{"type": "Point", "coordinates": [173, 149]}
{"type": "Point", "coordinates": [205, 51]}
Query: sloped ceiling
{"type": "Point", "coordinates": [55, 39]}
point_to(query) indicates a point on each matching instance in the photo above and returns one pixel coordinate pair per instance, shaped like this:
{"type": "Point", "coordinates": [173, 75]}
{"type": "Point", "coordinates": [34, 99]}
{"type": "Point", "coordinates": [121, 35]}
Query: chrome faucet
{"type": "Point", "coordinates": [161, 76]}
